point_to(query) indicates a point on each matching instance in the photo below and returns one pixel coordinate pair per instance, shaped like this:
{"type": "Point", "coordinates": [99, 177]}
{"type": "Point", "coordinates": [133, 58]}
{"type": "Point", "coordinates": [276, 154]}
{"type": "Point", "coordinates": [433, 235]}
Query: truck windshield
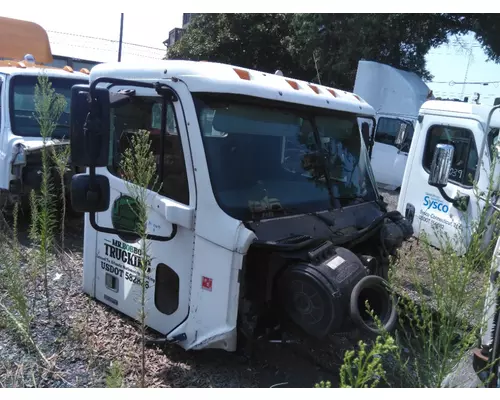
{"type": "Point", "coordinates": [264, 160]}
{"type": "Point", "coordinates": [22, 105]}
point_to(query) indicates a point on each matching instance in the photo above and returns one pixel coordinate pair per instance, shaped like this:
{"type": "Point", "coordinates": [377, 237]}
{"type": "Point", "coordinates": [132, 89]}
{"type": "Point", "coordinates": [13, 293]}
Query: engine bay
{"type": "Point", "coordinates": [319, 275]}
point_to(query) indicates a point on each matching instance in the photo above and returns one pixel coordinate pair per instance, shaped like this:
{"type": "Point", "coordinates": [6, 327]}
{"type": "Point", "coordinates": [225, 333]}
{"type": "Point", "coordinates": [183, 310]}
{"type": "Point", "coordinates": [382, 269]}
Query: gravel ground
{"type": "Point", "coordinates": [84, 337]}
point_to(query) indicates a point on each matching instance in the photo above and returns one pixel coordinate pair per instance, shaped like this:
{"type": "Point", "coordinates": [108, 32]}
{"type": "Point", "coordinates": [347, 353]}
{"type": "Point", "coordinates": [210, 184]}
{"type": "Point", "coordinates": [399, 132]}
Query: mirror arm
{"type": "Point", "coordinates": [116, 82]}
{"type": "Point", "coordinates": [163, 131]}
{"type": "Point", "coordinates": [461, 202]}
{"type": "Point", "coordinates": [445, 195]}
{"type": "Point", "coordinates": [95, 109]}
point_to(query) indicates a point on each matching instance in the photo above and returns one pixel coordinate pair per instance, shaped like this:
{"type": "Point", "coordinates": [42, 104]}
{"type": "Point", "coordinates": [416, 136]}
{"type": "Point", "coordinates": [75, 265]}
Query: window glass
{"type": "Point", "coordinates": [144, 113]}
{"type": "Point", "coordinates": [465, 157]}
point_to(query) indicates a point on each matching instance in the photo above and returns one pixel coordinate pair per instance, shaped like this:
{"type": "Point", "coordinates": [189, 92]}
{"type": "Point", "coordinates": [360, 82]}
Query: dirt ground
{"type": "Point", "coordinates": [84, 337]}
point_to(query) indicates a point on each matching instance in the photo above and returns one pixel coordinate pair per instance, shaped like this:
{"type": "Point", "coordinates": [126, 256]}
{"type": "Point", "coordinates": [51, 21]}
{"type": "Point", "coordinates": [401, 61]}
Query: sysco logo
{"type": "Point", "coordinates": [435, 204]}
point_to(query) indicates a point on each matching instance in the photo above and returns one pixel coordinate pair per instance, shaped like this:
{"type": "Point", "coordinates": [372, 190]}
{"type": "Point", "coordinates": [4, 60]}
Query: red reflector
{"type": "Point", "coordinates": [293, 84]}
{"type": "Point", "coordinates": [332, 92]}
{"type": "Point", "coordinates": [316, 90]}
{"type": "Point", "coordinates": [242, 74]}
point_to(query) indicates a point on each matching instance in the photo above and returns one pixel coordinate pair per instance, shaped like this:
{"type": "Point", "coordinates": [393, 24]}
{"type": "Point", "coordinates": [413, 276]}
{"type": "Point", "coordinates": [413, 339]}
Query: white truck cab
{"type": "Point", "coordinates": [396, 96]}
{"type": "Point", "coordinates": [22, 59]}
{"type": "Point", "coordinates": [467, 133]}
{"type": "Point", "coordinates": [451, 178]}
{"type": "Point", "coordinates": [268, 213]}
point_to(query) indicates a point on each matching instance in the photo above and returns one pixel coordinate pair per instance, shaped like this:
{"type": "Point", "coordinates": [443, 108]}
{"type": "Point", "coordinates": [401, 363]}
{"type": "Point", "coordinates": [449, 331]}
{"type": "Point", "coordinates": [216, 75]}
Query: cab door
{"type": "Point", "coordinates": [117, 263]}
{"type": "Point", "coordinates": [388, 161]}
{"type": "Point", "coordinates": [423, 204]}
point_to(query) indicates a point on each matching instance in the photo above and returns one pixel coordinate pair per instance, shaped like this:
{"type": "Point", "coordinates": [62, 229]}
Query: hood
{"type": "Point", "coordinates": [389, 90]}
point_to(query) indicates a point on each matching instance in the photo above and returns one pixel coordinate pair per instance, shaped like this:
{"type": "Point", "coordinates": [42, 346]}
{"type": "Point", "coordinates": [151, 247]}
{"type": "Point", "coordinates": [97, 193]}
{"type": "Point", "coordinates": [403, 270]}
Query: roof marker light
{"type": "Point", "coordinates": [293, 84]}
{"type": "Point", "coordinates": [68, 68]}
{"type": "Point", "coordinates": [29, 60]}
{"type": "Point", "coordinates": [357, 97]}
{"type": "Point", "coordinates": [21, 64]}
{"type": "Point", "coordinates": [85, 71]}
{"type": "Point", "coordinates": [332, 92]}
{"type": "Point", "coordinates": [314, 88]}
{"type": "Point", "coordinates": [242, 74]}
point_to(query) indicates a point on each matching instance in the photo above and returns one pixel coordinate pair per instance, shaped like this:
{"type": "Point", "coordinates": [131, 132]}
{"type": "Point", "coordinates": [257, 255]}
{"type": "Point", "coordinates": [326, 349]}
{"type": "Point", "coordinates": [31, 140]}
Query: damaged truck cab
{"type": "Point", "coordinates": [24, 53]}
{"type": "Point", "coordinates": [267, 212]}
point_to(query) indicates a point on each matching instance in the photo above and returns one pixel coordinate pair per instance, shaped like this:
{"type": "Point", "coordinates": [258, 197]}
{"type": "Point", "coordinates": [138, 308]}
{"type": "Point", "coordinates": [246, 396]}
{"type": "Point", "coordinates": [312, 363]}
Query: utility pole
{"type": "Point", "coordinates": [121, 39]}
{"type": "Point", "coordinates": [469, 61]}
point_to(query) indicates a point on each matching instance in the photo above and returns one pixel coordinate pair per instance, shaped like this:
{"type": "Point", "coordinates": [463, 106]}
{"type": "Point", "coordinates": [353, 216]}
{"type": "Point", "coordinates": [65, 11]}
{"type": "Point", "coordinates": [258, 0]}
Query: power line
{"type": "Point", "coordinates": [158, 56]}
{"type": "Point", "coordinates": [106, 40]}
{"type": "Point", "coordinates": [453, 83]}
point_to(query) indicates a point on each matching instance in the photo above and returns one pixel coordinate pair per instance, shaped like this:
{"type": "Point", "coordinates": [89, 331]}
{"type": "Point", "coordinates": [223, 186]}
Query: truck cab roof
{"type": "Point", "coordinates": [459, 109]}
{"type": "Point", "coordinates": [13, 70]}
{"type": "Point", "coordinates": [202, 76]}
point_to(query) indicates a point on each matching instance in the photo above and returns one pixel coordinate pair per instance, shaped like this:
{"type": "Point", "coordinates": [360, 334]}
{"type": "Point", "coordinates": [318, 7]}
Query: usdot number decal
{"type": "Point", "coordinates": [135, 279]}
{"type": "Point", "coordinates": [435, 204]}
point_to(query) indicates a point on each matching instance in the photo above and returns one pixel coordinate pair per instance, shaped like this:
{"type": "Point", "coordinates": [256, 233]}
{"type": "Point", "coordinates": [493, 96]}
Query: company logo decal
{"type": "Point", "coordinates": [124, 217]}
{"type": "Point", "coordinates": [435, 203]}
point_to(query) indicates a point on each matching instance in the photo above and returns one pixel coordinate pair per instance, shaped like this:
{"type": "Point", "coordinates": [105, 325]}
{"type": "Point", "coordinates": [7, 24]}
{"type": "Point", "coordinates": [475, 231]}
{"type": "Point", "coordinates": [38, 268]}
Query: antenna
{"type": "Point", "coordinates": [121, 39]}
{"type": "Point", "coordinates": [316, 65]}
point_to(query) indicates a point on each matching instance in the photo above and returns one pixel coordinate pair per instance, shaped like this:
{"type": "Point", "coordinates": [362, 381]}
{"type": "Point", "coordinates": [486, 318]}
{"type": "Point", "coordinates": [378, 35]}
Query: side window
{"type": "Point", "coordinates": [144, 113]}
{"type": "Point", "coordinates": [465, 158]}
{"type": "Point", "coordinates": [493, 142]}
{"type": "Point", "coordinates": [387, 130]}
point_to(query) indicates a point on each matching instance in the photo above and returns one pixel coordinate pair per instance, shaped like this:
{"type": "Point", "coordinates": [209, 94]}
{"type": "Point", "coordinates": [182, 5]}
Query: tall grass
{"type": "Point", "coordinates": [60, 157]}
{"type": "Point", "coordinates": [441, 300]}
{"type": "Point", "coordinates": [48, 109]}
{"type": "Point", "coordinates": [138, 167]}
{"type": "Point", "coordinates": [19, 274]}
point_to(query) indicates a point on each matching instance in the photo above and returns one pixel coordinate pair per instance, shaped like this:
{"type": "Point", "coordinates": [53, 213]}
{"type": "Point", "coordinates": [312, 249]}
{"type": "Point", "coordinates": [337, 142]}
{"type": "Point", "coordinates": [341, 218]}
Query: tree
{"type": "Point", "coordinates": [487, 31]}
{"type": "Point", "coordinates": [327, 47]}
{"type": "Point", "coordinates": [258, 41]}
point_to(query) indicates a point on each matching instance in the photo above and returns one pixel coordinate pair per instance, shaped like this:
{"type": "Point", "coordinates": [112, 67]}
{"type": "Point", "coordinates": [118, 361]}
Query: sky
{"type": "Point", "coordinates": [454, 63]}
{"type": "Point", "coordinates": [150, 26]}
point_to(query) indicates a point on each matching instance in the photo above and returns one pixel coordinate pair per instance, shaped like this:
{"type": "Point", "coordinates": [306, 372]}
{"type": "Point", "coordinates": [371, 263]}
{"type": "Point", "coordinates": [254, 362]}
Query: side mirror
{"type": "Point", "coordinates": [79, 109]}
{"type": "Point", "coordinates": [365, 132]}
{"type": "Point", "coordinates": [90, 127]}
{"type": "Point", "coordinates": [401, 136]}
{"type": "Point", "coordinates": [90, 194]}
{"type": "Point", "coordinates": [441, 165]}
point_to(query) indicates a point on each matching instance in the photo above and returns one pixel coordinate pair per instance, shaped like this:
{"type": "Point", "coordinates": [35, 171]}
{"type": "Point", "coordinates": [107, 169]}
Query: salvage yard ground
{"type": "Point", "coordinates": [85, 338]}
